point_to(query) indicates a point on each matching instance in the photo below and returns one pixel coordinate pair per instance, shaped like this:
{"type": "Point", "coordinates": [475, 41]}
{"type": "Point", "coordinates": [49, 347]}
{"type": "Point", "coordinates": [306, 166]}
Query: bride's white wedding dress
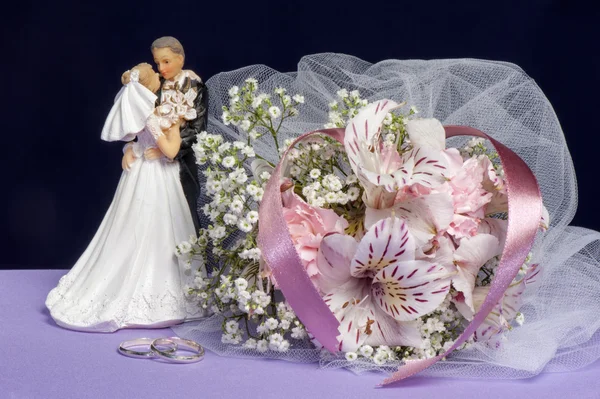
{"type": "Point", "coordinates": [129, 275]}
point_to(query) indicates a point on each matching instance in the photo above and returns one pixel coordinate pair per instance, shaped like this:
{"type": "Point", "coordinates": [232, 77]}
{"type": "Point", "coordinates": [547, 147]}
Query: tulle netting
{"type": "Point", "coordinates": [561, 326]}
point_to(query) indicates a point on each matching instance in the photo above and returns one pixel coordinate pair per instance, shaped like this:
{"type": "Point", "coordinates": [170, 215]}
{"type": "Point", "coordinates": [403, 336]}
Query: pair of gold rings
{"type": "Point", "coordinates": [164, 348]}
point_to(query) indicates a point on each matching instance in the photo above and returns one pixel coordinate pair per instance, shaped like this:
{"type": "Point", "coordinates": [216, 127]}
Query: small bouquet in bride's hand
{"type": "Point", "coordinates": [176, 106]}
{"type": "Point", "coordinates": [344, 223]}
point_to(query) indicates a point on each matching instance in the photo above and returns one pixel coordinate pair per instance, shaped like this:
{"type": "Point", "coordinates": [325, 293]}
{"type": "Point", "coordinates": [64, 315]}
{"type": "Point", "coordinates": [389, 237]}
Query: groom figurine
{"type": "Point", "coordinates": [169, 57]}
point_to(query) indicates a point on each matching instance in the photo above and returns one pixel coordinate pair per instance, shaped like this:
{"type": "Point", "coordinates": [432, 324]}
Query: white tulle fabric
{"type": "Point", "coordinates": [127, 117]}
{"type": "Point", "coordinates": [129, 275]}
{"type": "Point", "coordinates": [561, 311]}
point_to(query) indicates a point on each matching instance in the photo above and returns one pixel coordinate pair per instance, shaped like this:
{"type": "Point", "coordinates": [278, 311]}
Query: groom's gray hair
{"type": "Point", "coordinates": [168, 42]}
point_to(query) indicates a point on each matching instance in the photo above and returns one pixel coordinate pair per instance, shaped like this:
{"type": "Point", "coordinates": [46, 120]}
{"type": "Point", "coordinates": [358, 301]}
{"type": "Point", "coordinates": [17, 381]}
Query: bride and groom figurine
{"type": "Point", "coordinates": [129, 275]}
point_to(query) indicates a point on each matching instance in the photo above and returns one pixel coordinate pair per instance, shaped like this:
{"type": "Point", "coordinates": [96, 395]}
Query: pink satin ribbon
{"type": "Point", "coordinates": [524, 214]}
{"type": "Point", "coordinates": [278, 250]}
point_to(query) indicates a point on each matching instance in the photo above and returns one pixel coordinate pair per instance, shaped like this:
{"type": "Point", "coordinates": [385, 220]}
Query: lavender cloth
{"type": "Point", "coordinates": [41, 360]}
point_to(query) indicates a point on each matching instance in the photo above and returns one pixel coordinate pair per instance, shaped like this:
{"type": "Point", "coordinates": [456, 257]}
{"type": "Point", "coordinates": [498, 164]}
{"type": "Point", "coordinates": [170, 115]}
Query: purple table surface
{"type": "Point", "coordinates": [41, 360]}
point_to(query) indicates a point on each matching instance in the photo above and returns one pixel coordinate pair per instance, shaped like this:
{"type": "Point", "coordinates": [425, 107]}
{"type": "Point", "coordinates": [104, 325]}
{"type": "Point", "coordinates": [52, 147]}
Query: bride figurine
{"type": "Point", "coordinates": [129, 276]}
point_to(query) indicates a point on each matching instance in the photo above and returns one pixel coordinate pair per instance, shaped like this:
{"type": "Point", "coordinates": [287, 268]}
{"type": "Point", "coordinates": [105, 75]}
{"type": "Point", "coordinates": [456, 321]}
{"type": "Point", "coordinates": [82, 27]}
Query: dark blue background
{"type": "Point", "coordinates": [62, 62]}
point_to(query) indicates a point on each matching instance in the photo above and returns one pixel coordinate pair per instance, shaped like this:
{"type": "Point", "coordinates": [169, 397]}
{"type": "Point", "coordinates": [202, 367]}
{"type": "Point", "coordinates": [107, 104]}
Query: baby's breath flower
{"type": "Point", "coordinates": [259, 195]}
{"type": "Point", "coordinates": [299, 333]}
{"type": "Point", "coordinates": [331, 197]}
{"type": "Point", "coordinates": [248, 151]}
{"type": "Point", "coordinates": [245, 125]}
{"type": "Point", "coordinates": [520, 318]}
{"type": "Point", "coordinates": [293, 154]}
{"type": "Point", "coordinates": [380, 358]}
{"type": "Point", "coordinates": [319, 202]}
{"type": "Point", "coordinates": [388, 119]}
{"type": "Point", "coordinates": [214, 186]}
{"type": "Point", "coordinates": [252, 217]}
{"type": "Point", "coordinates": [233, 91]}
{"type": "Point", "coordinates": [232, 326]}
{"type": "Point", "coordinates": [251, 189]}
{"type": "Point", "coordinates": [185, 247]}
{"type": "Point", "coordinates": [351, 179]}
{"type": "Point", "coordinates": [353, 193]}
{"type": "Point", "coordinates": [262, 346]}
{"type": "Point", "coordinates": [258, 100]}
{"type": "Point", "coordinates": [274, 111]}
{"type": "Point", "coordinates": [271, 323]}
{"type": "Point", "coordinates": [342, 198]}
{"type": "Point", "coordinates": [230, 219]}
{"type": "Point", "coordinates": [228, 162]}
{"type": "Point", "coordinates": [224, 147]}
{"type": "Point", "coordinates": [343, 93]}
{"type": "Point", "coordinates": [285, 324]}
{"type": "Point", "coordinates": [241, 284]}
{"type": "Point", "coordinates": [217, 232]}
{"type": "Point", "coordinates": [215, 158]}
{"type": "Point", "coordinates": [275, 341]}
{"type": "Point", "coordinates": [283, 346]}
{"type": "Point", "coordinates": [366, 350]}
{"type": "Point", "coordinates": [236, 206]}
{"type": "Point", "coordinates": [245, 226]}
{"type": "Point", "coordinates": [226, 117]}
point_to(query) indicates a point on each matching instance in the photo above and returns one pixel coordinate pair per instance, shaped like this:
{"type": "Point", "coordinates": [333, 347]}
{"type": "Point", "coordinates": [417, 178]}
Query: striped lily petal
{"type": "Point", "coordinates": [491, 181]}
{"type": "Point", "coordinates": [387, 242]}
{"type": "Point", "coordinates": [533, 274]}
{"type": "Point", "coordinates": [348, 304]}
{"type": "Point", "coordinates": [426, 132]}
{"type": "Point", "coordinates": [333, 261]}
{"type": "Point", "coordinates": [362, 322]}
{"type": "Point", "coordinates": [494, 323]}
{"type": "Point", "coordinates": [498, 203]}
{"type": "Point", "coordinates": [410, 289]}
{"type": "Point", "coordinates": [472, 253]}
{"type": "Point", "coordinates": [429, 167]}
{"type": "Point", "coordinates": [384, 180]}
{"type": "Point", "coordinates": [362, 134]}
{"type": "Point", "coordinates": [513, 300]}
{"type": "Point", "coordinates": [497, 228]}
{"type": "Point", "coordinates": [504, 311]}
{"type": "Point", "coordinates": [385, 330]}
{"type": "Point", "coordinates": [379, 189]}
{"type": "Point", "coordinates": [427, 215]}
{"type": "Point", "coordinates": [545, 222]}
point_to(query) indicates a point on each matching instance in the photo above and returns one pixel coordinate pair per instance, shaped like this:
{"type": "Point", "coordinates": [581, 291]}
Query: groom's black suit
{"type": "Point", "coordinates": [188, 169]}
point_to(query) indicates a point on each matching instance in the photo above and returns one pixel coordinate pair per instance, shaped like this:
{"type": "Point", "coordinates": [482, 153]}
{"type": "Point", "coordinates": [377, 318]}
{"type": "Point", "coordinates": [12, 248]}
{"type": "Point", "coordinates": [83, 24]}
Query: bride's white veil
{"type": "Point", "coordinates": [127, 117]}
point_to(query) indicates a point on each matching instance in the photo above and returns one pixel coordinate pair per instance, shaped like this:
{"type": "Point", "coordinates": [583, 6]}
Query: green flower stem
{"type": "Point", "coordinates": [261, 158]}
